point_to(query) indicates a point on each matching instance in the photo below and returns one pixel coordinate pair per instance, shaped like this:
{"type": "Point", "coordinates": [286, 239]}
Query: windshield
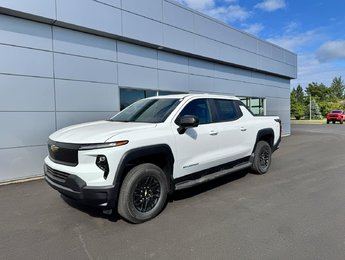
{"type": "Point", "coordinates": [147, 111]}
{"type": "Point", "coordinates": [337, 112]}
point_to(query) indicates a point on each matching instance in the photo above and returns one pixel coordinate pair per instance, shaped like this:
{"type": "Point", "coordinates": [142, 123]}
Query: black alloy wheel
{"type": "Point", "coordinates": [146, 194]}
{"type": "Point", "coordinates": [143, 193]}
{"type": "Point", "coordinates": [262, 157]}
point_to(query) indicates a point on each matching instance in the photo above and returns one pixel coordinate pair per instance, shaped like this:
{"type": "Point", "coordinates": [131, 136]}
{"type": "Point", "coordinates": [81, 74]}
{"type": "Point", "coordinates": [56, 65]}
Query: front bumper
{"type": "Point", "coordinates": [74, 188]}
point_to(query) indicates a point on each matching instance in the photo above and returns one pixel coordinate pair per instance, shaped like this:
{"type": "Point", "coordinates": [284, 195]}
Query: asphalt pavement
{"type": "Point", "coordinates": [296, 211]}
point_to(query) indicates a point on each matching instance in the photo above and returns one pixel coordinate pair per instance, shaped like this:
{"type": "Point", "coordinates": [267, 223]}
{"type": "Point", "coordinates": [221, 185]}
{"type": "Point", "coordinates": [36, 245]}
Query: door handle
{"type": "Point", "coordinates": [243, 129]}
{"type": "Point", "coordinates": [213, 132]}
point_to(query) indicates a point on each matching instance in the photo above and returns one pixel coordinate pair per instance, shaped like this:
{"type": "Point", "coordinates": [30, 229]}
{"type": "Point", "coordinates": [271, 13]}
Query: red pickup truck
{"type": "Point", "coordinates": [336, 115]}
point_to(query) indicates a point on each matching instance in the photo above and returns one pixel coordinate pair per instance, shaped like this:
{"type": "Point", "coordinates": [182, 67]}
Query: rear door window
{"type": "Point", "coordinates": [226, 110]}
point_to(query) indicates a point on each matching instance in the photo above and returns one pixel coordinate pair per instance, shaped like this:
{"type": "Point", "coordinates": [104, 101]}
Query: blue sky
{"type": "Point", "coordinates": [314, 29]}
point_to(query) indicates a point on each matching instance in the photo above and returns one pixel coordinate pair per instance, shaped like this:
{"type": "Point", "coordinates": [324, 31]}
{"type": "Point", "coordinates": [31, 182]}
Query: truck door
{"type": "Point", "coordinates": [233, 130]}
{"type": "Point", "coordinates": [198, 148]}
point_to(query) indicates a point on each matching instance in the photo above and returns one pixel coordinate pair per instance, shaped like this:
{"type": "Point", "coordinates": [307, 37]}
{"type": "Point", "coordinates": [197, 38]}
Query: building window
{"type": "Point", "coordinates": [255, 104]}
{"type": "Point", "coordinates": [164, 92]}
{"type": "Point", "coordinates": [130, 95]}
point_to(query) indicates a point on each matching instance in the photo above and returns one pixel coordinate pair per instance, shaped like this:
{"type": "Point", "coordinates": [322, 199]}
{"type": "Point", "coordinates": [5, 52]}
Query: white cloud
{"type": "Point", "coordinates": [311, 70]}
{"type": "Point", "coordinates": [310, 67]}
{"type": "Point", "coordinates": [271, 5]}
{"type": "Point", "coordinates": [330, 51]}
{"type": "Point", "coordinates": [197, 4]}
{"type": "Point", "coordinates": [254, 29]}
{"type": "Point", "coordinates": [294, 41]}
{"type": "Point", "coordinates": [291, 27]}
{"type": "Point", "coordinates": [227, 11]}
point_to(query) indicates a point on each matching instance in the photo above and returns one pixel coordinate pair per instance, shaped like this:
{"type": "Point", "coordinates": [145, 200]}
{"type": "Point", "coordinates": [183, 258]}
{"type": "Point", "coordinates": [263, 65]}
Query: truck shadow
{"type": "Point", "coordinates": [92, 211]}
{"type": "Point", "coordinates": [178, 195]}
{"type": "Point", "coordinates": [207, 186]}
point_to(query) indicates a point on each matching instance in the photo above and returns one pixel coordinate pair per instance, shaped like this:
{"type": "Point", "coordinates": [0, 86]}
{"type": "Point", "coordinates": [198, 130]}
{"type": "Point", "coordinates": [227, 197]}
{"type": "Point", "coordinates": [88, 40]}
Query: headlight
{"type": "Point", "coordinates": [102, 163]}
{"type": "Point", "coordinates": [103, 145]}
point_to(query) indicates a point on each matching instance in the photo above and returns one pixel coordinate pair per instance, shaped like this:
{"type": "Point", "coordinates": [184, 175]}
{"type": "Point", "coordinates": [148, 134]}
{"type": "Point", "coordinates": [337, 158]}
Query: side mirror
{"type": "Point", "coordinates": [187, 121]}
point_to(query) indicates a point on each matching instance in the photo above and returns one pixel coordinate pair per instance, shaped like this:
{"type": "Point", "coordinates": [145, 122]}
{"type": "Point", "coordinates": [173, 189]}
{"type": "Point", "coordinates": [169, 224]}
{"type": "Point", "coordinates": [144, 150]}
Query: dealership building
{"type": "Point", "coordinates": [70, 61]}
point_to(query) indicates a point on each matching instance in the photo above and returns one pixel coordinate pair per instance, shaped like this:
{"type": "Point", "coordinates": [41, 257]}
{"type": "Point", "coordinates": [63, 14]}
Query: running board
{"type": "Point", "coordinates": [191, 183]}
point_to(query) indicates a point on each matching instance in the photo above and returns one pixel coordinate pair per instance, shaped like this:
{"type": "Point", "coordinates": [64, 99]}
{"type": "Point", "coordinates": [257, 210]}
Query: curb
{"type": "Point", "coordinates": [22, 180]}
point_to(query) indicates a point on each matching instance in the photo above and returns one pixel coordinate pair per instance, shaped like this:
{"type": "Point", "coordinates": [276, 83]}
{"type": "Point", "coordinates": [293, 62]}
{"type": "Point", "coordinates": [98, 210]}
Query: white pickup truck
{"type": "Point", "coordinates": [157, 145]}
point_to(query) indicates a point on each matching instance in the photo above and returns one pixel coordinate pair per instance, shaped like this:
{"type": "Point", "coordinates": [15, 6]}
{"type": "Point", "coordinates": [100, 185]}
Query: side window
{"type": "Point", "coordinates": [226, 110]}
{"type": "Point", "coordinates": [199, 108]}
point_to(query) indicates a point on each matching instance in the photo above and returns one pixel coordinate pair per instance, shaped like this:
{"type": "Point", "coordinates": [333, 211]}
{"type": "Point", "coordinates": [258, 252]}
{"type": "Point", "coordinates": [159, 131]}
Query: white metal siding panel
{"type": "Point", "coordinates": [25, 33]}
{"type": "Point", "coordinates": [93, 15]}
{"type": "Point", "coordinates": [173, 62]}
{"type": "Point", "coordinates": [20, 93]}
{"type": "Point", "coordinates": [12, 162]}
{"type": "Point", "coordinates": [144, 77]}
{"type": "Point", "coordinates": [44, 8]}
{"type": "Point", "coordinates": [71, 118]}
{"type": "Point", "coordinates": [87, 69]}
{"type": "Point", "coordinates": [23, 61]}
{"type": "Point", "coordinates": [85, 96]}
{"type": "Point", "coordinates": [25, 128]}
{"type": "Point", "coordinates": [142, 28]}
{"type": "Point", "coordinates": [83, 44]}
{"type": "Point", "coordinates": [148, 8]}
{"type": "Point", "coordinates": [177, 16]}
{"type": "Point", "coordinates": [137, 55]}
{"type": "Point", "coordinates": [172, 81]}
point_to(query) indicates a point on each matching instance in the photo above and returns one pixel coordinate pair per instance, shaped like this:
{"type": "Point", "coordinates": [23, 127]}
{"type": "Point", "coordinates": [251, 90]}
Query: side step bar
{"type": "Point", "coordinates": [191, 183]}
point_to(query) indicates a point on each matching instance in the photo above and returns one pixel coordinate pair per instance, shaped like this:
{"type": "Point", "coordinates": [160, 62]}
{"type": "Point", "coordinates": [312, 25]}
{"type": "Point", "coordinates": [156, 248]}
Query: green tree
{"type": "Point", "coordinates": [337, 88]}
{"type": "Point", "coordinates": [327, 106]}
{"type": "Point", "coordinates": [319, 92]}
{"type": "Point", "coordinates": [297, 106]}
{"type": "Point", "coordinates": [299, 94]}
{"type": "Point", "coordinates": [315, 110]}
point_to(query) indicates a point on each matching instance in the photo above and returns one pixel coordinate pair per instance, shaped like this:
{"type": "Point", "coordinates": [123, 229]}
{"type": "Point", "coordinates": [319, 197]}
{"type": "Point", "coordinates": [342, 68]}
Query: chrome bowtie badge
{"type": "Point", "coordinates": [54, 148]}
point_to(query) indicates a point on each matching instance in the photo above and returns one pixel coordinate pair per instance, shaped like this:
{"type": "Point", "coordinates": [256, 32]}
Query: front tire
{"type": "Point", "coordinates": [143, 193]}
{"type": "Point", "coordinates": [341, 121]}
{"type": "Point", "coordinates": [327, 121]}
{"type": "Point", "coordinates": [262, 157]}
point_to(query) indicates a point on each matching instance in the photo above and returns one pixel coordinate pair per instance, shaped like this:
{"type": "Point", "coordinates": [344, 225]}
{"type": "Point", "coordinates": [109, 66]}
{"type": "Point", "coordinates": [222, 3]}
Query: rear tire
{"type": "Point", "coordinates": [341, 121]}
{"type": "Point", "coordinates": [143, 193]}
{"type": "Point", "coordinates": [262, 157]}
{"type": "Point", "coordinates": [327, 121]}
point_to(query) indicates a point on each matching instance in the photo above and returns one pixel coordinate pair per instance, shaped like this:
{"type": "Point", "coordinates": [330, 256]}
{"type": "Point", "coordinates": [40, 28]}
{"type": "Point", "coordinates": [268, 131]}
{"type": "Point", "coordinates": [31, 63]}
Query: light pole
{"type": "Point", "coordinates": [310, 107]}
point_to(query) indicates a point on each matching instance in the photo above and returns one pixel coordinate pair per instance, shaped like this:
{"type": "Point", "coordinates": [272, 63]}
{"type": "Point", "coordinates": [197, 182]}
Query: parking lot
{"type": "Point", "coordinates": [296, 211]}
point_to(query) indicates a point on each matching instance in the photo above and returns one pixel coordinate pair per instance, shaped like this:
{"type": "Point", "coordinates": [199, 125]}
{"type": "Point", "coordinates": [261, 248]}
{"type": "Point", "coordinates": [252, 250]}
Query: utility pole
{"type": "Point", "coordinates": [310, 107]}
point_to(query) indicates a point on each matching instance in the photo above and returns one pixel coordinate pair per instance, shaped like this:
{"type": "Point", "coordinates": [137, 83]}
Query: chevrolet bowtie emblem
{"type": "Point", "coordinates": [54, 148]}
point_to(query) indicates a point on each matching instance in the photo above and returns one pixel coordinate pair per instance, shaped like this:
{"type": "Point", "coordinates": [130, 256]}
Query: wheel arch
{"type": "Point", "coordinates": [266, 134]}
{"type": "Point", "coordinates": [160, 155]}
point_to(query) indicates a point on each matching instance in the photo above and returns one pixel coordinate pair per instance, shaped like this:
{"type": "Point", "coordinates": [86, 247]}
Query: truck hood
{"type": "Point", "coordinates": [96, 132]}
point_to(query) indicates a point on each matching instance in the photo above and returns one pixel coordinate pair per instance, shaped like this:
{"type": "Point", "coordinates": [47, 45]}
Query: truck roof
{"type": "Point", "coordinates": [202, 95]}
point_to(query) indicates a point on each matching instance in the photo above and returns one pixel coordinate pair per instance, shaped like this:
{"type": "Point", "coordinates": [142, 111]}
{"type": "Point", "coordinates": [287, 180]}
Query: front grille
{"type": "Point", "coordinates": [63, 153]}
{"type": "Point", "coordinates": [56, 175]}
